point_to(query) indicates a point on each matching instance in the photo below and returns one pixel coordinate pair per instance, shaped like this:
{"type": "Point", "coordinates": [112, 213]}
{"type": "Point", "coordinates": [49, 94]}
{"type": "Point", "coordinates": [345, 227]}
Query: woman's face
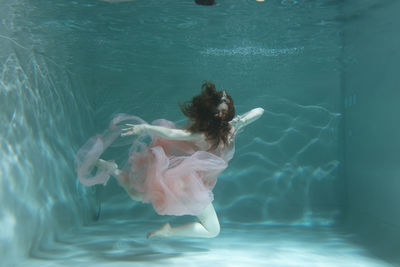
{"type": "Point", "coordinates": [222, 110]}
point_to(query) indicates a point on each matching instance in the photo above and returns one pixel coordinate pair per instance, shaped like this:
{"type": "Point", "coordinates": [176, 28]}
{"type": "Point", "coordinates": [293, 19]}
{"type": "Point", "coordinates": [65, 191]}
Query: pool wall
{"type": "Point", "coordinates": [371, 134]}
{"type": "Point", "coordinates": [41, 126]}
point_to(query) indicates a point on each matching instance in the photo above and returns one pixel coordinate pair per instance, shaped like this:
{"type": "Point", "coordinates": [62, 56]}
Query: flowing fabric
{"type": "Point", "coordinates": [175, 176]}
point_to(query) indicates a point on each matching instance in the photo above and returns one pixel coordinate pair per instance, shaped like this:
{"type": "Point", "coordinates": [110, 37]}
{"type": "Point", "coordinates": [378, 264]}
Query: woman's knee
{"type": "Point", "coordinates": [214, 231]}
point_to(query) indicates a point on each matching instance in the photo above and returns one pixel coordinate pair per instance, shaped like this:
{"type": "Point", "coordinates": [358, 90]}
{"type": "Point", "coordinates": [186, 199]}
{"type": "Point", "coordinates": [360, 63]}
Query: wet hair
{"type": "Point", "coordinates": [203, 112]}
{"type": "Point", "coordinates": [205, 2]}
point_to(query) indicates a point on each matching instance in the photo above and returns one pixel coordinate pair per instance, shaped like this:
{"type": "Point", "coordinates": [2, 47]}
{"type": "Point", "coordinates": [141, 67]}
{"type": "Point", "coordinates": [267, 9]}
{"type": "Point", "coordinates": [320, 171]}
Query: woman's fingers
{"type": "Point", "coordinates": [128, 131]}
{"type": "Point", "coordinates": [132, 130]}
{"type": "Point", "coordinates": [126, 134]}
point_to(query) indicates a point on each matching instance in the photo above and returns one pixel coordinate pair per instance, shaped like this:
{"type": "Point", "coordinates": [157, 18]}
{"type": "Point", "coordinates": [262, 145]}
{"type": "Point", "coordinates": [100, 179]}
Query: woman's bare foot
{"type": "Point", "coordinates": [164, 231]}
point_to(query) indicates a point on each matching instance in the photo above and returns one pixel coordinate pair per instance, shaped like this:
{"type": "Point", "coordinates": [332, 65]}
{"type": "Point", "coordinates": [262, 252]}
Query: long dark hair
{"type": "Point", "coordinates": [202, 111]}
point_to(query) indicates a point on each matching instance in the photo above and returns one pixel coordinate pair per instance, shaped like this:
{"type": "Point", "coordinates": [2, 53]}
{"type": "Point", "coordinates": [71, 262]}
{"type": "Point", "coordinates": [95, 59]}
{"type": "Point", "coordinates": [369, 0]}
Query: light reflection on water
{"type": "Point", "coordinates": [251, 51]}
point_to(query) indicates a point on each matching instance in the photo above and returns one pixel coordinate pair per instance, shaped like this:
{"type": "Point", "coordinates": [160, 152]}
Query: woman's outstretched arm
{"type": "Point", "coordinates": [167, 133]}
{"type": "Point", "coordinates": [247, 118]}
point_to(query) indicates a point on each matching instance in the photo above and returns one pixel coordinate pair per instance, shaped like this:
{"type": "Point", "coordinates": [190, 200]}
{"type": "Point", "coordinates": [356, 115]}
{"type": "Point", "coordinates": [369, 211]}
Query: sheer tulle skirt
{"type": "Point", "coordinates": [174, 176]}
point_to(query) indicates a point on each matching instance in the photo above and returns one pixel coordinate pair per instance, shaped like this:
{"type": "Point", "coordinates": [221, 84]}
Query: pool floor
{"type": "Point", "coordinates": [124, 243]}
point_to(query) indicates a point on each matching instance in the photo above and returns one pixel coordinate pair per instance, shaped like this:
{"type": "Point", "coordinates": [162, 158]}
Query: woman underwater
{"type": "Point", "coordinates": [177, 170]}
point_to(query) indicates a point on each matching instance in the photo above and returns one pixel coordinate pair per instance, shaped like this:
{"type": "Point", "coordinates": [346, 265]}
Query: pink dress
{"type": "Point", "coordinates": [175, 176]}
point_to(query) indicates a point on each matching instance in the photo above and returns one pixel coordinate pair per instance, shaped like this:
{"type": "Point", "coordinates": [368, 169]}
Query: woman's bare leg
{"type": "Point", "coordinates": [207, 227]}
{"type": "Point", "coordinates": [121, 176]}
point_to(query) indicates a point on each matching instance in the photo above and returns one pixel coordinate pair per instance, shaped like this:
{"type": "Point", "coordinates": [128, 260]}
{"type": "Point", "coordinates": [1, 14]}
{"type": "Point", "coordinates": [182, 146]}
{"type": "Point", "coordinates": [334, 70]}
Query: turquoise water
{"type": "Point", "coordinates": [68, 66]}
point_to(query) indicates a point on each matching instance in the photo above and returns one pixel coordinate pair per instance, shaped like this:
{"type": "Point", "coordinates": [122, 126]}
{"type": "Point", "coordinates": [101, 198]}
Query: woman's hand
{"type": "Point", "coordinates": [133, 129]}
